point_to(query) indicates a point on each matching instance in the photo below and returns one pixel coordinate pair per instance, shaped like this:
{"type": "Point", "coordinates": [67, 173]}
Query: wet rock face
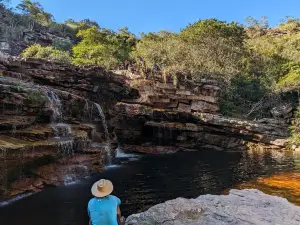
{"type": "Point", "coordinates": [239, 208]}
{"type": "Point", "coordinates": [138, 124]}
{"type": "Point", "coordinates": [52, 121]}
{"type": "Point", "coordinates": [43, 155]}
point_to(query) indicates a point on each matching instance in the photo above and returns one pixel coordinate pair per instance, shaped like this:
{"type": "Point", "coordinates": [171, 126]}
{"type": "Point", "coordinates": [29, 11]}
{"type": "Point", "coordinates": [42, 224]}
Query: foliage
{"type": "Point", "coordinates": [257, 65]}
{"type": "Point", "coordinates": [103, 47]}
{"type": "Point", "coordinates": [62, 30]}
{"type": "Point", "coordinates": [49, 53]}
{"type": "Point", "coordinates": [35, 10]}
{"type": "Point", "coordinates": [62, 44]}
{"type": "Point", "coordinates": [290, 24]}
{"type": "Point", "coordinates": [207, 47]}
{"type": "Point", "coordinates": [31, 51]}
{"type": "Point", "coordinates": [81, 25]}
{"type": "Point", "coordinates": [242, 95]}
{"type": "Point", "coordinates": [295, 129]}
{"type": "Point", "coordinates": [291, 81]}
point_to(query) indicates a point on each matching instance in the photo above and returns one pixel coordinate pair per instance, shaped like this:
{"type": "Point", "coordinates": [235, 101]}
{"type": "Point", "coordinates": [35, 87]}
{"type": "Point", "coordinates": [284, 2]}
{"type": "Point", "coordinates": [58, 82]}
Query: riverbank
{"type": "Point", "coordinates": [240, 207]}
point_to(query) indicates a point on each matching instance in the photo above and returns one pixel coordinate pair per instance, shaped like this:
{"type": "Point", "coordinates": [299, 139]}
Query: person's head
{"type": "Point", "coordinates": [102, 188]}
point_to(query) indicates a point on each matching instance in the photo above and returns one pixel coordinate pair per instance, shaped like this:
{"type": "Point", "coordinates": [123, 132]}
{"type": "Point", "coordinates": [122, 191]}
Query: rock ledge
{"type": "Point", "coordinates": [240, 207]}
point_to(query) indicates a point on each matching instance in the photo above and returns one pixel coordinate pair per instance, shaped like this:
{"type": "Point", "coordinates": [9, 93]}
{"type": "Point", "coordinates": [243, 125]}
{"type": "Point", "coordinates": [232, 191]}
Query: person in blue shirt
{"type": "Point", "coordinates": [104, 209]}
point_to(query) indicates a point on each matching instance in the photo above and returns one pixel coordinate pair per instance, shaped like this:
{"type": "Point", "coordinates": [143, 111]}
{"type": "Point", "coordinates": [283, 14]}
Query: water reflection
{"type": "Point", "coordinates": [151, 180]}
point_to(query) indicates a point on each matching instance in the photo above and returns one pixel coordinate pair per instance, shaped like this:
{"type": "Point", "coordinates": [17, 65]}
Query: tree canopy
{"type": "Point", "coordinates": [35, 10]}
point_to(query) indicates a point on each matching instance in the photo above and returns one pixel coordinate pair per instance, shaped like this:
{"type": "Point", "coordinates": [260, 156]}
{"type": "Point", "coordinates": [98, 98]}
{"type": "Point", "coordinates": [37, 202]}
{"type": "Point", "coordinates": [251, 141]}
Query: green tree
{"type": "Point", "coordinates": [291, 81]}
{"type": "Point", "coordinates": [205, 48]}
{"type": "Point", "coordinates": [103, 47]}
{"type": "Point", "coordinates": [35, 10]}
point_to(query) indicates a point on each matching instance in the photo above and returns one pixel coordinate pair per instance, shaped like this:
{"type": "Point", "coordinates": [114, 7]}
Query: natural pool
{"type": "Point", "coordinates": [142, 181]}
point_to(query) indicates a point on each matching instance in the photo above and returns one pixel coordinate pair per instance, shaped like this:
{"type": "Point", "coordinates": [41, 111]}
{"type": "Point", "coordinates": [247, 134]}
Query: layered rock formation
{"type": "Point", "coordinates": [239, 207]}
{"type": "Point", "coordinates": [53, 121]}
{"type": "Point", "coordinates": [186, 115]}
{"type": "Point", "coordinates": [54, 118]}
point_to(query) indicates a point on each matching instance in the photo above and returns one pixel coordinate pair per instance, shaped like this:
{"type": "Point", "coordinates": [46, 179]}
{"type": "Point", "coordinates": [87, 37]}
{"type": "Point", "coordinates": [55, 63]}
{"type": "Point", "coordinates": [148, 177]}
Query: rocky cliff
{"type": "Point", "coordinates": [239, 208]}
{"type": "Point", "coordinates": [186, 115]}
{"type": "Point", "coordinates": [60, 123]}
{"type": "Point", "coordinates": [18, 31]}
{"type": "Point", "coordinates": [55, 122]}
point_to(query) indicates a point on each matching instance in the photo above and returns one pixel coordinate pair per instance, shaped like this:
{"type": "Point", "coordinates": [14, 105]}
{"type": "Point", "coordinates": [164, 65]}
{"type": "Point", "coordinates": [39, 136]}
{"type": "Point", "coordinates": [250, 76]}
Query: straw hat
{"type": "Point", "coordinates": [102, 188]}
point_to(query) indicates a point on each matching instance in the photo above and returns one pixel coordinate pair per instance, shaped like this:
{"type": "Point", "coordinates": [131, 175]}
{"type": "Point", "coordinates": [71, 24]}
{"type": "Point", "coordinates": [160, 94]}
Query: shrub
{"type": "Point", "coordinates": [48, 53]}
{"type": "Point", "coordinates": [60, 56]}
{"type": "Point", "coordinates": [31, 51]}
{"type": "Point", "coordinates": [61, 44]}
{"type": "Point", "coordinates": [44, 52]}
{"type": "Point", "coordinates": [295, 129]}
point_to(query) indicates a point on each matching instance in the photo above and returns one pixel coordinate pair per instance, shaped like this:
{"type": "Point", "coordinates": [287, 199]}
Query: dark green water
{"type": "Point", "coordinates": [144, 181]}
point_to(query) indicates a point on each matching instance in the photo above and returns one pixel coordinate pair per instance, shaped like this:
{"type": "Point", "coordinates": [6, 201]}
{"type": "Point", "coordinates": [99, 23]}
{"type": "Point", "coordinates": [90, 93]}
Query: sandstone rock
{"type": "Point", "coordinates": [184, 107]}
{"type": "Point", "coordinates": [202, 130]}
{"type": "Point", "coordinates": [201, 106]}
{"type": "Point", "coordinates": [242, 207]}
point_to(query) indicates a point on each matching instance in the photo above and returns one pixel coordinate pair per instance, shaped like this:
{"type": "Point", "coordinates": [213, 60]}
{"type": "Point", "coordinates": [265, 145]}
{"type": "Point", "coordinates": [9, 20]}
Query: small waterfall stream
{"type": "Point", "coordinates": [63, 134]}
{"type": "Point", "coordinates": [102, 115]}
{"type": "Point", "coordinates": [55, 105]}
{"type": "Point", "coordinates": [107, 146]}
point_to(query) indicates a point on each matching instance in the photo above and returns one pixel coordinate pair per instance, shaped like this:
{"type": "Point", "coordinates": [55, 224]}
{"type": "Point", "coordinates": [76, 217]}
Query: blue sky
{"type": "Point", "coordinates": [155, 15]}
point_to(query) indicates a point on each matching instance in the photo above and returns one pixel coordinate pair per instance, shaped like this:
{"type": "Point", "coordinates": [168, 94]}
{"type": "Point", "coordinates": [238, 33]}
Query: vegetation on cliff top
{"type": "Point", "coordinates": [258, 65]}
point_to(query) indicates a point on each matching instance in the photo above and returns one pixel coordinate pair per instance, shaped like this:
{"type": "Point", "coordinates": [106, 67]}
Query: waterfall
{"type": "Point", "coordinates": [66, 148]}
{"type": "Point", "coordinates": [55, 105]}
{"type": "Point", "coordinates": [62, 133]}
{"type": "Point", "coordinates": [101, 114]}
{"type": "Point", "coordinates": [62, 130]}
{"type": "Point", "coordinates": [121, 154]}
{"type": "Point", "coordinates": [107, 146]}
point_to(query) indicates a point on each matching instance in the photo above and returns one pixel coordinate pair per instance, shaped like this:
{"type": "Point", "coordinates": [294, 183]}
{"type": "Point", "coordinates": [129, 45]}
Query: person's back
{"type": "Point", "coordinates": [103, 211]}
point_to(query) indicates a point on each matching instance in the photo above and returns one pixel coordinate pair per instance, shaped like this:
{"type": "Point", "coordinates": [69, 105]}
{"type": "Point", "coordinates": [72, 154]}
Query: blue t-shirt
{"type": "Point", "coordinates": [103, 211]}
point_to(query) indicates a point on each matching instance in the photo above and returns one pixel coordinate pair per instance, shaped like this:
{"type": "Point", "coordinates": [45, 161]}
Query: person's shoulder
{"type": "Point", "coordinates": [115, 198]}
{"type": "Point", "coordinates": [91, 201]}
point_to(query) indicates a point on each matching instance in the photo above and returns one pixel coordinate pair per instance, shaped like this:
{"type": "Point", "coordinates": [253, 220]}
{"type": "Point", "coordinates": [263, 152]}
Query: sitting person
{"type": "Point", "coordinates": [104, 209]}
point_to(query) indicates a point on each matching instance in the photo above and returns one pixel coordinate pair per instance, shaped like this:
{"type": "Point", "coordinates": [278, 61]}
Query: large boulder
{"type": "Point", "coordinates": [240, 207]}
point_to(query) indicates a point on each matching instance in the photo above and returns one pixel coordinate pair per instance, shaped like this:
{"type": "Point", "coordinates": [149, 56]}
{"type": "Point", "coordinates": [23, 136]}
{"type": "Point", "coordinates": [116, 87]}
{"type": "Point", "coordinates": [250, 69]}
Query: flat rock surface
{"type": "Point", "coordinates": [240, 207]}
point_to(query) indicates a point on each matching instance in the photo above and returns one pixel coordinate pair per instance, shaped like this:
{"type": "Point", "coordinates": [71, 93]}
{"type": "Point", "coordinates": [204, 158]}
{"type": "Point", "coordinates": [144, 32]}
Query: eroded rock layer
{"type": "Point", "coordinates": [55, 123]}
